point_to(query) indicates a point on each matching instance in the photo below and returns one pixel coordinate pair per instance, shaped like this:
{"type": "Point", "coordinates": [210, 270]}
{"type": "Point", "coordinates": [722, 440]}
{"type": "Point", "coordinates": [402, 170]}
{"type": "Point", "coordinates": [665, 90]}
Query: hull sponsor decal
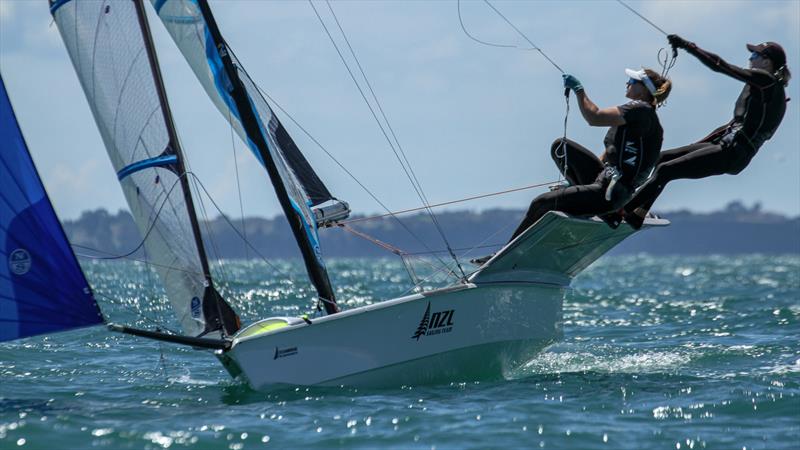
{"type": "Point", "coordinates": [439, 322]}
{"type": "Point", "coordinates": [284, 352]}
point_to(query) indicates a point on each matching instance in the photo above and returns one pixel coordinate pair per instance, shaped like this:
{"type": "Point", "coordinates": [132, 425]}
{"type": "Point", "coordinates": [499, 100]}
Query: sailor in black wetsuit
{"type": "Point", "coordinates": [728, 149]}
{"type": "Point", "coordinates": [605, 184]}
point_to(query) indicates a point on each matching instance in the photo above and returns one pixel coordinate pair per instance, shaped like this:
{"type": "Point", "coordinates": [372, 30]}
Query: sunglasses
{"type": "Point", "coordinates": [632, 81]}
{"type": "Point", "coordinates": [755, 55]}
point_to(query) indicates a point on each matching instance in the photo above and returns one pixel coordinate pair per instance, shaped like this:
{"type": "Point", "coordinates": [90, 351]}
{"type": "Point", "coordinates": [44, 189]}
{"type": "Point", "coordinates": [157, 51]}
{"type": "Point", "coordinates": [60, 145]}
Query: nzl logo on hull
{"type": "Point", "coordinates": [439, 322]}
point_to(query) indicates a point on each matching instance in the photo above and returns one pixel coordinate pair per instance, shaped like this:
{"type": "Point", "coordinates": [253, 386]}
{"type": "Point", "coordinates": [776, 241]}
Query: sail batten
{"type": "Point", "coordinates": [110, 46]}
{"type": "Point", "coordinates": [298, 188]}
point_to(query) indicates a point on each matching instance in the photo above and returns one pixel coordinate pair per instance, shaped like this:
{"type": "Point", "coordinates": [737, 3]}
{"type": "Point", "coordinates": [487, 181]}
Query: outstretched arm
{"type": "Point", "coordinates": [596, 117]}
{"type": "Point", "coordinates": [717, 64]}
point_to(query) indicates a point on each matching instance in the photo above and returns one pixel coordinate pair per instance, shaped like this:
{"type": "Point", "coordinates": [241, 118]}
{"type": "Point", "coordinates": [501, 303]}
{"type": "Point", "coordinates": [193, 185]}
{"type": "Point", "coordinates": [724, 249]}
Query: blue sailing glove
{"type": "Point", "coordinates": [570, 82]}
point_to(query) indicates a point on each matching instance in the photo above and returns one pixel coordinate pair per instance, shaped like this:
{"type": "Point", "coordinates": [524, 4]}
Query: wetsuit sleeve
{"type": "Point", "coordinates": [714, 62]}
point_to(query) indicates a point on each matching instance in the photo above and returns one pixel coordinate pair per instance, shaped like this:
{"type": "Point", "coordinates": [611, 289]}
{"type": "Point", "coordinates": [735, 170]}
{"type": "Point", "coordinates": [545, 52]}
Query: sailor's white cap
{"type": "Point", "coordinates": [641, 75]}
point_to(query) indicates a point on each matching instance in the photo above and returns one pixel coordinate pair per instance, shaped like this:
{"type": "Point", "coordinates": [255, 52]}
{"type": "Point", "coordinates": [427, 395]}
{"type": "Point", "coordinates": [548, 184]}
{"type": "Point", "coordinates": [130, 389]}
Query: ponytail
{"type": "Point", "coordinates": [783, 75]}
{"type": "Point", "coordinates": [663, 87]}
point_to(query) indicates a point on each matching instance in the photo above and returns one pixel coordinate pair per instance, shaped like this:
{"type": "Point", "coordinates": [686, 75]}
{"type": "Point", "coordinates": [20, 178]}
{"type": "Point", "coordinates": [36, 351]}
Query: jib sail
{"type": "Point", "coordinates": [42, 287]}
{"type": "Point", "coordinates": [299, 189]}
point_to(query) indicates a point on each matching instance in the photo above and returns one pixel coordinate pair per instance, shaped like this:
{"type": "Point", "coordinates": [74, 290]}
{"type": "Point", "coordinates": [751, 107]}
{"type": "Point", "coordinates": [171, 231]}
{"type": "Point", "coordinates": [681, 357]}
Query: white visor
{"type": "Point", "coordinates": [641, 75]}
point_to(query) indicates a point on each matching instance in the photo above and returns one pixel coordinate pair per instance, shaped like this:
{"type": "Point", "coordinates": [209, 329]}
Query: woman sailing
{"type": "Point", "coordinates": [605, 184]}
{"type": "Point", "coordinates": [728, 149]}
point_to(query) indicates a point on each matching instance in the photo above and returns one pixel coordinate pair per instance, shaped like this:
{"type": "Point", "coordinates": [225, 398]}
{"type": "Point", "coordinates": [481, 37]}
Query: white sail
{"type": "Point", "coordinates": [299, 189]}
{"type": "Point", "coordinates": [186, 25]}
{"type": "Point", "coordinates": [106, 43]}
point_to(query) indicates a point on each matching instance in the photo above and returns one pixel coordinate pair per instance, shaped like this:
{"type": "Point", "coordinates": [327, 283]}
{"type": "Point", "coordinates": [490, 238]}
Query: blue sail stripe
{"type": "Point", "coordinates": [57, 4]}
{"type": "Point", "coordinates": [158, 161]}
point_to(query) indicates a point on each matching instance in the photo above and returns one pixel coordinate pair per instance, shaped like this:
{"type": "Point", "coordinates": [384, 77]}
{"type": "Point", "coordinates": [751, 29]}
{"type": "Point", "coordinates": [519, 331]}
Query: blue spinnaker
{"type": "Point", "coordinates": [42, 287]}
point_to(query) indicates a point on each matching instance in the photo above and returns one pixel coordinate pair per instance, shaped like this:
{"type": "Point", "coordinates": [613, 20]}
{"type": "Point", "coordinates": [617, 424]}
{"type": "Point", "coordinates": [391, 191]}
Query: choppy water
{"type": "Point", "coordinates": [672, 353]}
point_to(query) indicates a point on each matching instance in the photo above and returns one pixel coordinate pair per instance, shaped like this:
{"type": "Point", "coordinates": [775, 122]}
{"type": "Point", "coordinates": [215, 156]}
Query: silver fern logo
{"type": "Point", "coordinates": [423, 324]}
{"type": "Point", "coordinates": [439, 322]}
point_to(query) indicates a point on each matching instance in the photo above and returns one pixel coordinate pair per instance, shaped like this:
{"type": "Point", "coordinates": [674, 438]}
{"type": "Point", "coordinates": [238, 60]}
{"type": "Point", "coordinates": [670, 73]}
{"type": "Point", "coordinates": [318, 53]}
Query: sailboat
{"type": "Point", "coordinates": [42, 287]}
{"type": "Point", "coordinates": [482, 326]}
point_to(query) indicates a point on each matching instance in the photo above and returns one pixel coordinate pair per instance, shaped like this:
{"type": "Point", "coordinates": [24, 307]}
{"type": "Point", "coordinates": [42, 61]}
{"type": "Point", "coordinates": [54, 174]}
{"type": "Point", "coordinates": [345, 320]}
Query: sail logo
{"type": "Point", "coordinates": [439, 322]}
{"type": "Point", "coordinates": [19, 261]}
{"type": "Point", "coordinates": [284, 352]}
{"type": "Point", "coordinates": [195, 305]}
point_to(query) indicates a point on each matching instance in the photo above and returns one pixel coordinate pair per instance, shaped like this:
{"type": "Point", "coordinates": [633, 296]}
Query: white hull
{"type": "Point", "coordinates": [490, 330]}
{"type": "Point", "coordinates": [508, 311]}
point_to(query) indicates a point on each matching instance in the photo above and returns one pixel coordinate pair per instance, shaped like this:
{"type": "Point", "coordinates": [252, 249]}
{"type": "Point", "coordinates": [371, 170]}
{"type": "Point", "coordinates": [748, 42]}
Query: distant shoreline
{"type": "Point", "coordinates": [736, 229]}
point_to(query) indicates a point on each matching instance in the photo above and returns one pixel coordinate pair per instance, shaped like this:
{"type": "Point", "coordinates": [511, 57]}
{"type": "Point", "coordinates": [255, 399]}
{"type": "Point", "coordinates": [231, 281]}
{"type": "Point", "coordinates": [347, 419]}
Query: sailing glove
{"type": "Point", "coordinates": [570, 82]}
{"type": "Point", "coordinates": [678, 42]}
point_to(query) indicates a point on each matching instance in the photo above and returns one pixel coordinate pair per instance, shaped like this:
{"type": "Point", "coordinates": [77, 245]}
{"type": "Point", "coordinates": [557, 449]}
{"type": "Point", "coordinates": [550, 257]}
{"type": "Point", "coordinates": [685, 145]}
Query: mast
{"type": "Point", "coordinates": [314, 267]}
{"type": "Point", "coordinates": [214, 306]}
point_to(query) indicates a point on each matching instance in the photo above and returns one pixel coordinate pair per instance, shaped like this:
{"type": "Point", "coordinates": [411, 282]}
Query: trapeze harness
{"type": "Point", "coordinates": [728, 149]}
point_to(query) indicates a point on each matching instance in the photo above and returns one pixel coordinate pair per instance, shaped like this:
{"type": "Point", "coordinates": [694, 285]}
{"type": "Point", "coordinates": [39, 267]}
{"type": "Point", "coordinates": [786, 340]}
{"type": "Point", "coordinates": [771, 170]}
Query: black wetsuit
{"type": "Point", "coordinates": [632, 149]}
{"type": "Point", "coordinates": [728, 149]}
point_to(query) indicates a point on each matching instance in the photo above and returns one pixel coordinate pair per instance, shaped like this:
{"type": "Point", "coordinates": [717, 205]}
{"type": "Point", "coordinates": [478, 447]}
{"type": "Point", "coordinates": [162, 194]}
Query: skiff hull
{"type": "Point", "coordinates": [509, 310]}
{"type": "Point", "coordinates": [464, 333]}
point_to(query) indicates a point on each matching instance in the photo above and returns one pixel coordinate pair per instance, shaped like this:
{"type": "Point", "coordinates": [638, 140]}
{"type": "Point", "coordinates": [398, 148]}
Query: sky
{"type": "Point", "coordinates": [472, 119]}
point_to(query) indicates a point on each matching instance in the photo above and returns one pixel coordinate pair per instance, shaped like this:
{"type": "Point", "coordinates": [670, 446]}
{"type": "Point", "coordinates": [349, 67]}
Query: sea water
{"type": "Point", "coordinates": [658, 353]}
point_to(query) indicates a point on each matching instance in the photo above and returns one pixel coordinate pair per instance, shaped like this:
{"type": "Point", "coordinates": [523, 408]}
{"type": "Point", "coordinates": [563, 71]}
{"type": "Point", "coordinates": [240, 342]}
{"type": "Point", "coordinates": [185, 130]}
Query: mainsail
{"type": "Point", "coordinates": [110, 46]}
{"type": "Point", "coordinates": [299, 189]}
{"type": "Point", "coordinates": [42, 287]}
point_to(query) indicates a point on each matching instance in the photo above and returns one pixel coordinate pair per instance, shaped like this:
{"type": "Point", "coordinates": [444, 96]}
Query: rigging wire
{"type": "Point", "coordinates": [561, 152]}
{"type": "Point", "coordinates": [128, 255]}
{"type": "Point", "coordinates": [150, 228]}
{"type": "Point", "coordinates": [416, 181]}
{"type": "Point", "coordinates": [421, 192]}
{"type": "Point", "coordinates": [666, 62]}
{"type": "Point", "coordinates": [330, 155]}
{"type": "Point", "coordinates": [238, 233]}
{"type": "Point", "coordinates": [222, 275]}
{"type": "Point", "coordinates": [128, 258]}
{"type": "Point", "coordinates": [464, 28]}
{"type": "Point", "coordinates": [238, 183]}
{"type": "Point", "coordinates": [406, 166]}
{"type": "Point", "coordinates": [533, 46]}
{"type": "Point", "coordinates": [451, 202]}
{"type": "Point", "coordinates": [348, 172]}
{"type": "Point", "coordinates": [643, 17]}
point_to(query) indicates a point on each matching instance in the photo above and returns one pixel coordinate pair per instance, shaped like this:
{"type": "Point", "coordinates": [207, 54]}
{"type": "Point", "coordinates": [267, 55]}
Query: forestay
{"type": "Point", "coordinates": [107, 42]}
{"type": "Point", "coordinates": [229, 87]}
{"type": "Point", "coordinates": [42, 287]}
